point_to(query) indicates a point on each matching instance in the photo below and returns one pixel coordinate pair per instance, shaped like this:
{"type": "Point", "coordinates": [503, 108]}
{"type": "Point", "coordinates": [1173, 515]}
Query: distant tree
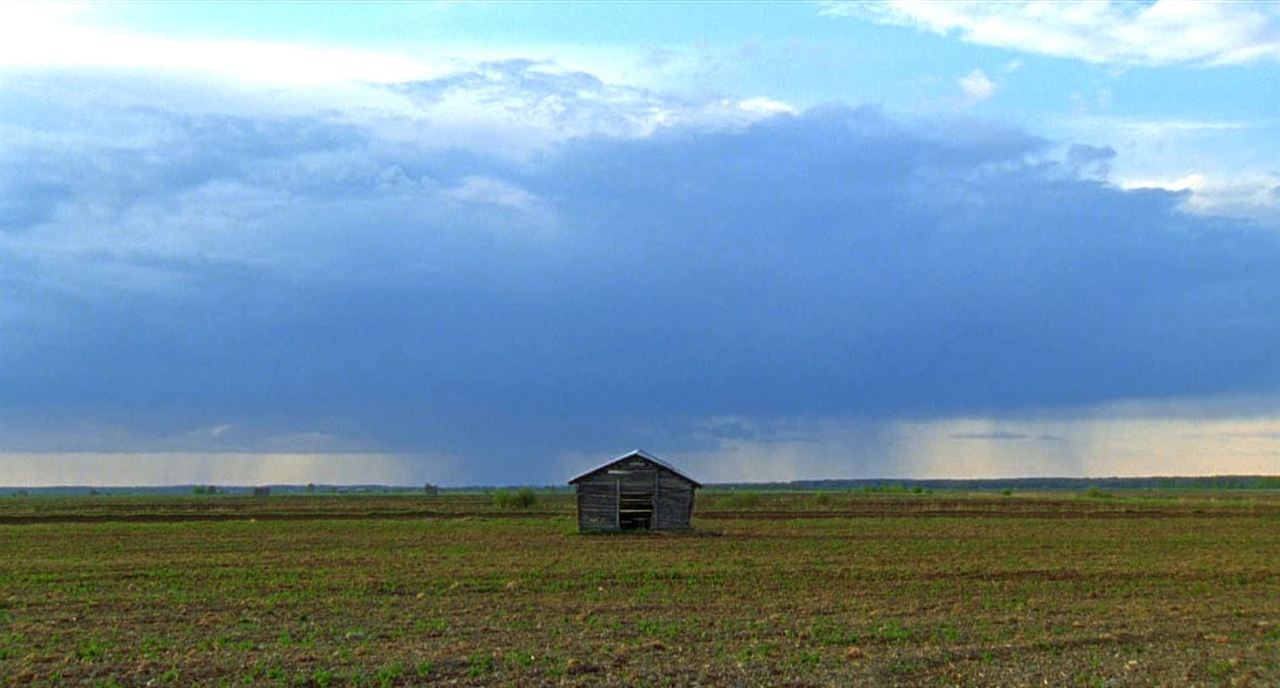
{"type": "Point", "coordinates": [311, 488]}
{"type": "Point", "coordinates": [430, 489]}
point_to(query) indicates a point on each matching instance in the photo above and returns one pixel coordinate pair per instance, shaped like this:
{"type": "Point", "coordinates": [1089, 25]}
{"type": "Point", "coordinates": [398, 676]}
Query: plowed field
{"type": "Point", "coordinates": [841, 589]}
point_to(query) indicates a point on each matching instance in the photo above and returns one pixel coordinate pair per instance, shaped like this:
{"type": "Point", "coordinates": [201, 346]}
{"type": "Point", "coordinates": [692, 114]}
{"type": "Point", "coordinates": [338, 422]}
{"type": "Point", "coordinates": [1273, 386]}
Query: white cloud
{"type": "Point", "coordinates": [36, 39]}
{"type": "Point", "coordinates": [65, 36]}
{"type": "Point", "coordinates": [1156, 128]}
{"type": "Point", "coordinates": [1202, 157]}
{"type": "Point", "coordinates": [976, 86]}
{"type": "Point", "coordinates": [765, 106]}
{"type": "Point", "coordinates": [1191, 182]}
{"type": "Point", "coordinates": [1243, 195]}
{"type": "Point", "coordinates": [1166, 32]}
{"type": "Point", "coordinates": [517, 107]}
{"type": "Point", "coordinates": [488, 191]}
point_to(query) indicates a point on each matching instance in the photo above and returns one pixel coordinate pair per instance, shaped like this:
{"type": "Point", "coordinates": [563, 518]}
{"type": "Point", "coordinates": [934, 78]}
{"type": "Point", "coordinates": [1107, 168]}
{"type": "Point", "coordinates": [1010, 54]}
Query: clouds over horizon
{"type": "Point", "coordinates": [521, 259]}
{"type": "Point", "coordinates": [1160, 33]}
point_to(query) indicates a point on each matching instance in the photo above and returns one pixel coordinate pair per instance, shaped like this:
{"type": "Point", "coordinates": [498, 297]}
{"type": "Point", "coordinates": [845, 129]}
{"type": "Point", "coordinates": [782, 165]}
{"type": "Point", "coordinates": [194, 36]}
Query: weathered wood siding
{"type": "Point", "coordinates": [597, 504]}
{"type": "Point", "coordinates": [675, 502]}
{"type": "Point", "coordinates": [601, 494]}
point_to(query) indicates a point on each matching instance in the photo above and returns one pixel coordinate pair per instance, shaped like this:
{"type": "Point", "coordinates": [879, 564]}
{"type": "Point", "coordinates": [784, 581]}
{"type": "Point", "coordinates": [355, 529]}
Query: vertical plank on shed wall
{"type": "Point", "coordinates": [688, 517]}
{"type": "Point", "coordinates": [617, 503]}
{"type": "Point", "coordinates": [654, 524]}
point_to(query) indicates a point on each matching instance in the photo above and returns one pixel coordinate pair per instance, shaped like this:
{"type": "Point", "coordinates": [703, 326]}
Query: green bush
{"type": "Point", "coordinates": [520, 499]}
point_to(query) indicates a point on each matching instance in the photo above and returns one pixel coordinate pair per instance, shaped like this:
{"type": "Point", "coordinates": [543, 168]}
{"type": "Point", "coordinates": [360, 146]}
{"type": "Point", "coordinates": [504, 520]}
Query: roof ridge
{"type": "Point", "coordinates": [642, 454]}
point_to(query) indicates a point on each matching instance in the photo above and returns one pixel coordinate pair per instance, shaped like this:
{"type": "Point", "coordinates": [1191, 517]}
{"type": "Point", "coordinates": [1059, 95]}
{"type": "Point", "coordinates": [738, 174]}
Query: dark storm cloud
{"type": "Point", "coordinates": [308, 275]}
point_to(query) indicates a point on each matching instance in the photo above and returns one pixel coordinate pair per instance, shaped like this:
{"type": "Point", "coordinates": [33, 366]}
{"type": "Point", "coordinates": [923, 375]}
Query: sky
{"type": "Point", "coordinates": [498, 243]}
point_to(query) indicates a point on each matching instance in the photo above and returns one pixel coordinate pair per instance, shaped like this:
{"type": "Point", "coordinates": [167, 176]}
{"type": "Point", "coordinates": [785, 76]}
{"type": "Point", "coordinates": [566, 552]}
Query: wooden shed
{"type": "Point", "coordinates": [636, 491]}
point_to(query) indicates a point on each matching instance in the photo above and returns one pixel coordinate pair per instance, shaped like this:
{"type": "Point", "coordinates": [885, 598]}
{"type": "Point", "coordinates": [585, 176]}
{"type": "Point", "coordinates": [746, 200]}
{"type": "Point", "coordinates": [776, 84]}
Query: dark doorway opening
{"type": "Point", "coordinates": [635, 510]}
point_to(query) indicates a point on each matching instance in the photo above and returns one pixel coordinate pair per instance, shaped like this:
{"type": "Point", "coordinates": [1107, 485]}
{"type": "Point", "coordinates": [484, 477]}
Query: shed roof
{"type": "Point", "coordinates": [636, 453]}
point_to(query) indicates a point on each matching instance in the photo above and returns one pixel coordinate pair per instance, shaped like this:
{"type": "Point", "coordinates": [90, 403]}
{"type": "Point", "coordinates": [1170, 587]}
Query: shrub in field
{"type": "Point", "coordinates": [1095, 492]}
{"type": "Point", "coordinates": [519, 499]}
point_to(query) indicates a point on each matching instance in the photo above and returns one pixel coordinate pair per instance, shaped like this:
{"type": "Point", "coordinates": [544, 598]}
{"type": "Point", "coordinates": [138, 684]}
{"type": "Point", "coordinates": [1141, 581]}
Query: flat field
{"type": "Point", "coordinates": [770, 589]}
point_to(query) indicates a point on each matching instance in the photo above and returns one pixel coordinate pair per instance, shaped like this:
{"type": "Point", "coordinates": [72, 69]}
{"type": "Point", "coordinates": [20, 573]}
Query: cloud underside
{"type": "Point", "coordinates": [1159, 33]}
{"type": "Point", "coordinates": [431, 273]}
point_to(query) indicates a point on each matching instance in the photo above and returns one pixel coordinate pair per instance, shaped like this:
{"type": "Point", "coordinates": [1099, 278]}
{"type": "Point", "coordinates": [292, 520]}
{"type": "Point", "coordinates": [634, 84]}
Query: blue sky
{"type": "Point", "coordinates": [495, 243]}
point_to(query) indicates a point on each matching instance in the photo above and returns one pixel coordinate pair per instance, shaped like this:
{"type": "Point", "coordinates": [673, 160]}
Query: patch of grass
{"type": "Point", "coordinates": [93, 649]}
{"type": "Point", "coordinates": [519, 659]}
{"type": "Point", "coordinates": [830, 633]}
{"type": "Point", "coordinates": [480, 664]}
{"type": "Point", "coordinates": [11, 645]}
{"type": "Point", "coordinates": [1095, 492]}
{"type": "Point", "coordinates": [435, 626]}
{"type": "Point", "coordinates": [904, 667]}
{"type": "Point", "coordinates": [1220, 668]}
{"type": "Point", "coordinates": [659, 629]}
{"type": "Point", "coordinates": [388, 674]}
{"type": "Point", "coordinates": [741, 500]}
{"type": "Point", "coordinates": [892, 632]}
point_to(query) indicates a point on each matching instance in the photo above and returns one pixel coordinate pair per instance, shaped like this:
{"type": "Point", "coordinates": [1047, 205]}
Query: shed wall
{"type": "Point", "coordinates": [597, 504]}
{"type": "Point", "coordinates": [599, 494]}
